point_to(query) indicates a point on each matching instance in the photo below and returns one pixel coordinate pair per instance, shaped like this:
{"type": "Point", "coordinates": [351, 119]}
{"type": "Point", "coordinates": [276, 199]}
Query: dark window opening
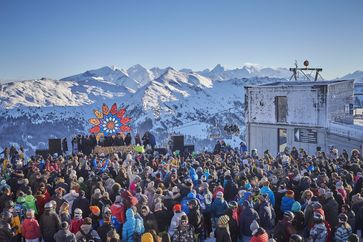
{"type": "Point", "coordinates": [281, 109]}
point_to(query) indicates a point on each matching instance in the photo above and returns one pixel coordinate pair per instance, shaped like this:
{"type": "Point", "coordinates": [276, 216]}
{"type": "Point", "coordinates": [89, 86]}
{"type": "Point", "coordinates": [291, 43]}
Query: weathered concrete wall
{"type": "Point", "coordinates": [339, 95]}
{"type": "Point", "coordinates": [304, 105]}
{"type": "Point", "coordinates": [265, 136]}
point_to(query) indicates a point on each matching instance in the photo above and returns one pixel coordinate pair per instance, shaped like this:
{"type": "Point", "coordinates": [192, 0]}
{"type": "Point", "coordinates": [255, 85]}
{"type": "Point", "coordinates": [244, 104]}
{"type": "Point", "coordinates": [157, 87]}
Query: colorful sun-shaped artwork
{"type": "Point", "coordinates": [109, 121]}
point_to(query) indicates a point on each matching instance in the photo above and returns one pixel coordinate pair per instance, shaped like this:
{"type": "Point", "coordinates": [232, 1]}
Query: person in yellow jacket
{"type": "Point", "coordinates": [15, 219]}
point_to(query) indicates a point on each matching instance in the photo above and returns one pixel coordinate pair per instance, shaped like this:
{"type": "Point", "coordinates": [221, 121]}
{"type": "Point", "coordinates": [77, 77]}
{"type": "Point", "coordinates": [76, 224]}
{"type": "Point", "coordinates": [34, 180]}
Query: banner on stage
{"type": "Point", "coordinates": [113, 149]}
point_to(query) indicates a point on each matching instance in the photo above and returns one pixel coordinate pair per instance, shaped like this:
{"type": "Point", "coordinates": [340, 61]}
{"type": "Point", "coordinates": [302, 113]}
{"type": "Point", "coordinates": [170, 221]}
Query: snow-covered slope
{"type": "Point", "coordinates": [107, 74]}
{"type": "Point", "coordinates": [140, 74]}
{"type": "Point", "coordinates": [49, 93]}
{"type": "Point", "coordinates": [247, 71]}
{"type": "Point", "coordinates": [175, 102]}
{"type": "Point", "coordinates": [165, 101]}
{"type": "Point", "coordinates": [357, 76]}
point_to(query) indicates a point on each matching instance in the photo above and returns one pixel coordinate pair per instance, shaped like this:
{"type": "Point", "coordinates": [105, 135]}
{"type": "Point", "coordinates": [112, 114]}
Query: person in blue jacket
{"type": "Point", "coordinates": [287, 201]}
{"type": "Point", "coordinates": [267, 190]}
{"type": "Point", "coordinates": [219, 206]}
{"type": "Point", "coordinates": [134, 224]}
{"type": "Point", "coordinates": [184, 202]}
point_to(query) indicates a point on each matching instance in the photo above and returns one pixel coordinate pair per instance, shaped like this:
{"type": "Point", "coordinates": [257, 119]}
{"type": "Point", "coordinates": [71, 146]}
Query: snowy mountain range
{"type": "Point", "coordinates": [164, 100]}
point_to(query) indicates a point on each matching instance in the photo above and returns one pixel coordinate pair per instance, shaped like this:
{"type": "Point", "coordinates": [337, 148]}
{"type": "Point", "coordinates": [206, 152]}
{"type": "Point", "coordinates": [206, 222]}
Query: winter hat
{"type": "Point", "coordinates": [289, 215]}
{"type": "Point", "coordinates": [30, 213]}
{"type": "Point", "coordinates": [233, 204]}
{"type": "Point", "coordinates": [290, 193]}
{"type": "Point", "coordinates": [175, 189]}
{"type": "Point", "coordinates": [339, 185]}
{"type": "Point", "coordinates": [343, 218]}
{"type": "Point", "coordinates": [87, 220]}
{"type": "Point", "coordinates": [321, 191]}
{"type": "Point", "coordinates": [254, 227]}
{"type": "Point", "coordinates": [78, 213]}
{"type": "Point", "coordinates": [317, 205]}
{"type": "Point", "coordinates": [241, 193]}
{"type": "Point", "coordinates": [147, 237]}
{"type": "Point", "coordinates": [248, 186]}
{"type": "Point", "coordinates": [177, 208]}
{"type": "Point", "coordinates": [247, 195]}
{"type": "Point", "coordinates": [64, 225]}
{"type": "Point", "coordinates": [227, 173]}
{"type": "Point", "coordinates": [223, 220]}
{"type": "Point", "coordinates": [296, 207]}
{"type": "Point", "coordinates": [95, 210]}
{"type": "Point", "coordinates": [184, 218]}
{"type": "Point", "coordinates": [219, 194]}
{"type": "Point", "coordinates": [48, 206]}
{"type": "Point", "coordinates": [318, 218]}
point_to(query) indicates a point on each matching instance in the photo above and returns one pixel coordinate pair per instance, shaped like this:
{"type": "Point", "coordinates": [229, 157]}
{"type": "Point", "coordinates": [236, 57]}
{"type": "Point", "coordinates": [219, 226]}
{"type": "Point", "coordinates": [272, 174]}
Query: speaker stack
{"type": "Point", "coordinates": [55, 146]}
{"type": "Point", "coordinates": [177, 143]}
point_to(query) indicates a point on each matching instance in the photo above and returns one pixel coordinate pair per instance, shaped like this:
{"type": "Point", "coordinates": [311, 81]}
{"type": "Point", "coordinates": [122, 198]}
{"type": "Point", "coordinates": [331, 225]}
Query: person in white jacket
{"type": "Point", "coordinates": [178, 213]}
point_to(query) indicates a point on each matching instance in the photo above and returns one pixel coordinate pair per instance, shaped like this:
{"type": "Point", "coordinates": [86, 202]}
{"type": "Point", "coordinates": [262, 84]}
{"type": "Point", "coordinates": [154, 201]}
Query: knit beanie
{"type": "Point", "coordinates": [147, 237]}
{"type": "Point", "coordinates": [95, 210]}
{"type": "Point", "coordinates": [290, 193]}
{"type": "Point", "coordinates": [296, 207]}
{"type": "Point", "coordinates": [223, 220]}
{"type": "Point", "coordinates": [177, 208]}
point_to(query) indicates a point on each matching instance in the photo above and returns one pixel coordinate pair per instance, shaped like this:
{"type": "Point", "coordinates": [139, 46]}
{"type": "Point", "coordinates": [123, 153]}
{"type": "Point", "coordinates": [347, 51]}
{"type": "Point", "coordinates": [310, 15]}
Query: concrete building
{"type": "Point", "coordinates": [301, 114]}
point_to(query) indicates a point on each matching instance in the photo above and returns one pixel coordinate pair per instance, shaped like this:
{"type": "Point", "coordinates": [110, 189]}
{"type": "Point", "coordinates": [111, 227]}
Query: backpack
{"type": "Point", "coordinates": [87, 237]}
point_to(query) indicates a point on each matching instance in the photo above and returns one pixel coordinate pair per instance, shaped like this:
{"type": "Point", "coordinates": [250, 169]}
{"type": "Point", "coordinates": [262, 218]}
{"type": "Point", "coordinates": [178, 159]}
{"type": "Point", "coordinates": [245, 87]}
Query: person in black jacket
{"type": "Point", "coordinates": [82, 203]}
{"type": "Point", "coordinates": [222, 233]}
{"type": "Point", "coordinates": [6, 233]}
{"type": "Point", "coordinates": [195, 217]}
{"type": "Point", "coordinates": [331, 209]}
{"type": "Point", "coordinates": [128, 139]}
{"type": "Point", "coordinates": [162, 217]}
{"type": "Point", "coordinates": [233, 220]}
{"type": "Point", "coordinates": [105, 228]}
{"type": "Point", "coordinates": [246, 218]}
{"type": "Point", "coordinates": [149, 219]}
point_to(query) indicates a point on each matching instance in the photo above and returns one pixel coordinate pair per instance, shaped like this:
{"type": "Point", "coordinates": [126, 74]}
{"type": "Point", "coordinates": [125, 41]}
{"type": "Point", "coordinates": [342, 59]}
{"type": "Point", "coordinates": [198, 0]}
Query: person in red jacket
{"type": "Point", "coordinates": [118, 210]}
{"type": "Point", "coordinates": [258, 233]}
{"type": "Point", "coordinates": [30, 229]}
{"type": "Point", "coordinates": [77, 221]}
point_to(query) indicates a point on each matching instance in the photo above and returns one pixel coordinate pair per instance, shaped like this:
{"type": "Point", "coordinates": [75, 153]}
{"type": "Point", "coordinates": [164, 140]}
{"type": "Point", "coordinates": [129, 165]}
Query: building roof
{"type": "Point", "coordinates": [300, 83]}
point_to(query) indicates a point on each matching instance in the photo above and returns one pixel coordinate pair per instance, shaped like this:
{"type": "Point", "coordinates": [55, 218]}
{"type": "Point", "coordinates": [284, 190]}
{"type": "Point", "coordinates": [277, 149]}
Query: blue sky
{"type": "Point", "coordinates": [60, 38]}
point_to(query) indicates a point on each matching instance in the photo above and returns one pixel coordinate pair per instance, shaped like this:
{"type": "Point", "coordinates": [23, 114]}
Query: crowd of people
{"type": "Point", "coordinates": [227, 195]}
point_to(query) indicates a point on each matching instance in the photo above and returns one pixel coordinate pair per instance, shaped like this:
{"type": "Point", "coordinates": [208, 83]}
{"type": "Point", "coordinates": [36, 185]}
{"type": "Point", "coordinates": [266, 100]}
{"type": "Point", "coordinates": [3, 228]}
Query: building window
{"type": "Point", "coordinates": [281, 139]}
{"type": "Point", "coordinates": [281, 109]}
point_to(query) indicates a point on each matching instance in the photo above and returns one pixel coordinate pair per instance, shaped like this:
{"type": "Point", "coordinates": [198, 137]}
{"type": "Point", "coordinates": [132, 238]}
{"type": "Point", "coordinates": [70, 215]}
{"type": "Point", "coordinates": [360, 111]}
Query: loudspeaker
{"type": "Point", "coordinates": [178, 143]}
{"type": "Point", "coordinates": [189, 148]}
{"type": "Point", "coordinates": [55, 146]}
{"type": "Point", "coordinates": [43, 153]}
